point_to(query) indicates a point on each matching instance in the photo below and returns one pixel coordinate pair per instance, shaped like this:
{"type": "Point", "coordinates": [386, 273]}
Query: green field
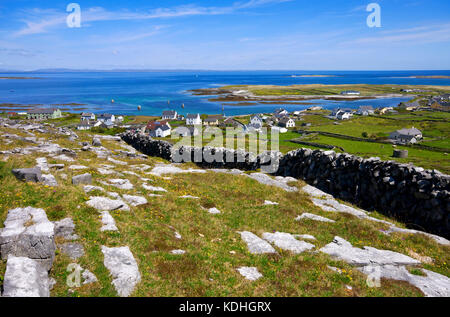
{"type": "Point", "coordinates": [319, 89]}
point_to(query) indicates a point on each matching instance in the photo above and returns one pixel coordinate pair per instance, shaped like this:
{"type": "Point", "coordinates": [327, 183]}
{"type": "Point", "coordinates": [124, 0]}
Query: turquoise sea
{"type": "Point", "coordinates": [154, 89]}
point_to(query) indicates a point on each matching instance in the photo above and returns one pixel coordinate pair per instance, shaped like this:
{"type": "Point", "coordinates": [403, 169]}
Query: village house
{"type": "Point", "coordinates": [169, 115]}
{"type": "Point", "coordinates": [385, 110]}
{"type": "Point", "coordinates": [230, 122]}
{"type": "Point", "coordinates": [85, 125]}
{"type": "Point", "coordinates": [279, 113]}
{"type": "Point", "coordinates": [214, 121]}
{"type": "Point", "coordinates": [441, 103]}
{"type": "Point", "coordinates": [365, 111]}
{"type": "Point", "coordinates": [185, 131]}
{"type": "Point", "coordinates": [193, 119]}
{"type": "Point", "coordinates": [256, 120]}
{"type": "Point", "coordinates": [159, 129]}
{"type": "Point", "coordinates": [106, 118]}
{"type": "Point", "coordinates": [87, 116]}
{"type": "Point", "coordinates": [286, 122]}
{"type": "Point", "coordinates": [315, 108]}
{"type": "Point", "coordinates": [406, 136]}
{"type": "Point", "coordinates": [341, 114]}
{"type": "Point", "coordinates": [44, 114]}
{"type": "Point", "coordinates": [350, 93]}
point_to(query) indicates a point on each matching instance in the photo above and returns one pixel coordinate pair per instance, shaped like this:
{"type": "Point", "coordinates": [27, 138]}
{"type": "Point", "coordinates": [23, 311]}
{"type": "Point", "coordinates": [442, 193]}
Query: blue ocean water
{"type": "Point", "coordinates": [153, 90]}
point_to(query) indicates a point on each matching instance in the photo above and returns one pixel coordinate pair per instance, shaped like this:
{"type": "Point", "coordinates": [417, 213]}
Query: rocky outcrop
{"type": "Point", "coordinates": [25, 277]}
{"type": "Point", "coordinates": [28, 174]}
{"type": "Point", "coordinates": [123, 268]}
{"type": "Point", "coordinates": [28, 233]}
{"type": "Point", "coordinates": [378, 264]}
{"type": "Point", "coordinates": [85, 179]}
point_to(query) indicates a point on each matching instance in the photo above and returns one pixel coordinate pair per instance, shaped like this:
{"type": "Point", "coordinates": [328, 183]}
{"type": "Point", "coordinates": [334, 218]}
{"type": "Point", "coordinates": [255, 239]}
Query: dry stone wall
{"type": "Point", "coordinates": [417, 197]}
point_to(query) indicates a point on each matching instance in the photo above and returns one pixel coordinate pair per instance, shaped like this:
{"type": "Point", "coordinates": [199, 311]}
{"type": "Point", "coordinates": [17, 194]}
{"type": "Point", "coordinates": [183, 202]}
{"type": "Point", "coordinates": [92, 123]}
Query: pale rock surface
{"type": "Point", "coordinates": [28, 233]}
{"type": "Point", "coordinates": [154, 188]}
{"type": "Point", "coordinates": [313, 217]}
{"type": "Point", "coordinates": [65, 229]}
{"type": "Point", "coordinates": [178, 252]}
{"type": "Point", "coordinates": [278, 182]}
{"type": "Point", "coordinates": [161, 169]}
{"type": "Point", "coordinates": [119, 183]}
{"type": "Point", "coordinates": [123, 268]}
{"type": "Point", "coordinates": [287, 241]}
{"type": "Point", "coordinates": [109, 224]}
{"type": "Point", "coordinates": [107, 204]}
{"type": "Point", "coordinates": [25, 277]}
{"type": "Point", "coordinates": [250, 273]}
{"type": "Point", "coordinates": [49, 180]}
{"type": "Point", "coordinates": [255, 244]}
{"type": "Point", "coordinates": [135, 200]}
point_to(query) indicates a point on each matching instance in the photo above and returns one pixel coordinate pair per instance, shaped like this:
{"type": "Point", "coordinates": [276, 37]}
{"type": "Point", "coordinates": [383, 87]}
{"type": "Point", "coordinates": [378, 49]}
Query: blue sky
{"type": "Point", "coordinates": [225, 35]}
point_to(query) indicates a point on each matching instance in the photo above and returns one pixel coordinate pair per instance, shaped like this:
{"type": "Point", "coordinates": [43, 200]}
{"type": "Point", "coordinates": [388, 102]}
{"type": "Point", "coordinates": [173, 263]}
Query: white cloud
{"type": "Point", "coordinates": [41, 21]}
{"type": "Point", "coordinates": [415, 35]}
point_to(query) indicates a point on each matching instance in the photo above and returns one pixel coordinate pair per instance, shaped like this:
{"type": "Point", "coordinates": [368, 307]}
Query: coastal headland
{"type": "Point", "coordinates": [258, 93]}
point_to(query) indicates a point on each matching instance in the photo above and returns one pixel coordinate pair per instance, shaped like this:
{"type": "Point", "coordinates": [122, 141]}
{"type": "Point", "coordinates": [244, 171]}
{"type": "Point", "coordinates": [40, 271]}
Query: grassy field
{"type": "Point", "coordinates": [320, 89]}
{"type": "Point", "coordinates": [214, 249]}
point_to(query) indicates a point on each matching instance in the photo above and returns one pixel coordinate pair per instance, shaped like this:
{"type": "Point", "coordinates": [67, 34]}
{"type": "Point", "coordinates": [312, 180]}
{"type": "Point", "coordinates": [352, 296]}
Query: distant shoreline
{"type": "Point", "coordinates": [20, 78]}
{"type": "Point", "coordinates": [274, 93]}
{"type": "Point", "coordinates": [431, 77]}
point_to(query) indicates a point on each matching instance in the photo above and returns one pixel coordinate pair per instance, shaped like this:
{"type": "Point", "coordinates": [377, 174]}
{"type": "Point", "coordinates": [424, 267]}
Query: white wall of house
{"type": "Point", "coordinates": [194, 121]}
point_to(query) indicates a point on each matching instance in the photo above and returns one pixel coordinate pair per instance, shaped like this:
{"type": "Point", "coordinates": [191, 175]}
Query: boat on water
{"type": "Point", "coordinates": [112, 101]}
{"type": "Point", "coordinates": [139, 108]}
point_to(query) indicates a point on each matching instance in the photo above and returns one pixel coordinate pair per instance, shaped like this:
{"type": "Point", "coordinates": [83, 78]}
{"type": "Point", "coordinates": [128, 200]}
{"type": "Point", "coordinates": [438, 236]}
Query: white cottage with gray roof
{"type": "Point", "coordinates": [406, 136]}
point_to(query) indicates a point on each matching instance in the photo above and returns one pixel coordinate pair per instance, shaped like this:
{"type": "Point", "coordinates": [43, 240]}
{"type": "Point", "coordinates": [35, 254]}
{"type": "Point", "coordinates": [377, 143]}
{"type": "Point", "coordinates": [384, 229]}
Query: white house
{"type": "Point", "coordinates": [365, 111]}
{"type": "Point", "coordinates": [87, 116]}
{"type": "Point", "coordinates": [169, 115]}
{"type": "Point", "coordinates": [350, 93]}
{"type": "Point", "coordinates": [256, 119]}
{"type": "Point", "coordinates": [85, 125]}
{"type": "Point", "coordinates": [280, 113]}
{"type": "Point", "coordinates": [193, 119]}
{"type": "Point", "coordinates": [106, 118]}
{"type": "Point", "coordinates": [286, 122]}
{"type": "Point", "coordinates": [406, 136]}
{"type": "Point", "coordinates": [162, 131]}
{"type": "Point", "coordinates": [344, 115]}
{"type": "Point", "coordinates": [341, 114]}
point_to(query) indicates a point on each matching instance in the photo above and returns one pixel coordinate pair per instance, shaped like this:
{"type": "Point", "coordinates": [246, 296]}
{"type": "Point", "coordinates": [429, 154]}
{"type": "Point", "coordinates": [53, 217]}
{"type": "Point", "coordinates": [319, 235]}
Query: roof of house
{"type": "Point", "coordinates": [105, 115]}
{"type": "Point", "coordinates": [163, 127]}
{"type": "Point", "coordinates": [285, 119]}
{"type": "Point", "coordinates": [192, 116]}
{"type": "Point", "coordinates": [409, 132]}
{"type": "Point", "coordinates": [366, 108]}
{"type": "Point", "coordinates": [87, 114]}
{"type": "Point", "coordinates": [170, 113]}
{"type": "Point", "coordinates": [152, 125]}
{"type": "Point", "coordinates": [211, 119]}
{"type": "Point", "coordinates": [42, 111]}
{"type": "Point", "coordinates": [85, 123]}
